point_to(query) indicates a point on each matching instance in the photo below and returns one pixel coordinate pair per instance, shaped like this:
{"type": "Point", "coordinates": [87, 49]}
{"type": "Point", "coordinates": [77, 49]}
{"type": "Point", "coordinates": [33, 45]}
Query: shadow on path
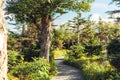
{"type": "Point", "coordinates": [66, 72]}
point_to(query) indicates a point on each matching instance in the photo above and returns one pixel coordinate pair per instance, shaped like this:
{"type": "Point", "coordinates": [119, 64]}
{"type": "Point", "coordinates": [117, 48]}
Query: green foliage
{"type": "Point", "coordinates": [92, 68]}
{"type": "Point", "coordinates": [114, 46]}
{"type": "Point", "coordinates": [41, 13]}
{"type": "Point", "coordinates": [39, 76]}
{"type": "Point", "coordinates": [59, 53]}
{"type": "Point", "coordinates": [10, 77]}
{"type": "Point", "coordinates": [115, 61]}
{"type": "Point", "coordinates": [62, 38]}
{"type": "Point", "coordinates": [14, 58]}
{"type": "Point", "coordinates": [58, 38]}
{"type": "Point", "coordinates": [53, 66]}
{"type": "Point", "coordinates": [93, 50]}
{"type": "Point", "coordinates": [89, 39]}
{"type": "Point", "coordinates": [94, 71]}
{"type": "Point", "coordinates": [112, 75]}
{"type": "Point", "coordinates": [88, 36]}
{"type": "Point", "coordinates": [25, 11]}
{"type": "Point", "coordinates": [30, 52]}
{"type": "Point", "coordinates": [13, 41]}
{"type": "Point", "coordinates": [36, 70]}
{"type": "Point", "coordinates": [113, 49]}
{"type": "Point", "coordinates": [76, 51]}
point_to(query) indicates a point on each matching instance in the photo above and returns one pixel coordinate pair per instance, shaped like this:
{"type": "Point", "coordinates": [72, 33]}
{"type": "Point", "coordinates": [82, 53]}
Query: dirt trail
{"type": "Point", "coordinates": [66, 72]}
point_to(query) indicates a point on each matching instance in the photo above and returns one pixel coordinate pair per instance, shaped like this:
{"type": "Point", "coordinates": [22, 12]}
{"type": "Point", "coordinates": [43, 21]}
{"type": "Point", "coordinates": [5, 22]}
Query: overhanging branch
{"type": "Point", "coordinates": [57, 17]}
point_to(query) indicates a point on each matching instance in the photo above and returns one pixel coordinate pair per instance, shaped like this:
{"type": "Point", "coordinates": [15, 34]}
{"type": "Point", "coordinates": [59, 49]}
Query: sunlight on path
{"type": "Point", "coordinates": [66, 72]}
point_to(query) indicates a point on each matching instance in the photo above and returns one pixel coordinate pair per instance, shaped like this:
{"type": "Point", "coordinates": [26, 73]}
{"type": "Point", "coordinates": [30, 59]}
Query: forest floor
{"type": "Point", "coordinates": [66, 72]}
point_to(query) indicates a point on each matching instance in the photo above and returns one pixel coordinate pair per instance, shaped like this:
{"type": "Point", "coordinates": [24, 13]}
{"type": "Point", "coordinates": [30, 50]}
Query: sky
{"type": "Point", "coordinates": [98, 8]}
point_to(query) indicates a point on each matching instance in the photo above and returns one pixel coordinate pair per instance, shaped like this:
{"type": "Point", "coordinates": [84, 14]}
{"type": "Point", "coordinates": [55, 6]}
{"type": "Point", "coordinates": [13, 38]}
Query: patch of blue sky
{"type": "Point", "coordinates": [99, 7]}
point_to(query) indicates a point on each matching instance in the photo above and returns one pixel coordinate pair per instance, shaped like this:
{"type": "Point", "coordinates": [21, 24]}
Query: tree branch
{"type": "Point", "coordinates": [57, 17]}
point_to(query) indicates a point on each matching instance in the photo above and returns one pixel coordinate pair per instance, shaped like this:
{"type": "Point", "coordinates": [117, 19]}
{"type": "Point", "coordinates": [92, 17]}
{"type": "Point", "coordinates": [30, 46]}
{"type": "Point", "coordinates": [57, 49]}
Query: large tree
{"type": "Point", "coordinates": [42, 13]}
{"type": "Point", "coordinates": [3, 45]}
{"type": "Point", "coordinates": [77, 25]}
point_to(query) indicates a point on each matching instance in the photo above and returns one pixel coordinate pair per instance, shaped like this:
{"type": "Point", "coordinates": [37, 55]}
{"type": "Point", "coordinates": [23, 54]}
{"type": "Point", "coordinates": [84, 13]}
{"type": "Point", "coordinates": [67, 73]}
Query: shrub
{"type": "Point", "coordinates": [113, 49]}
{"type": "Point", "coordinates": [59, 53]}
{"type": "Point", "coordinates": [30, 52]}
{"type": "Point", "coordinates": [94, 71]}
{"type": "Point", "coordinates": [53, 66]}
{"type": "Point", "coordinates": [114, 46]}
{"type": "Point", "coordinates": [93, 50]}
{"type": "Point", "coordinates": [36, 70]}
{"type": "Point", "coordinates": [115, 61]}
{"type": "Point", "coordinates": [76, 51]}
{"type": "Point", "coordinates": [14, 58]}
{"type": "Point", "coordinates": [112, 75]}
{"type": "Point", "coordinates": [39, 76]}
{"type": "Point", "coordinates": [92, 68]}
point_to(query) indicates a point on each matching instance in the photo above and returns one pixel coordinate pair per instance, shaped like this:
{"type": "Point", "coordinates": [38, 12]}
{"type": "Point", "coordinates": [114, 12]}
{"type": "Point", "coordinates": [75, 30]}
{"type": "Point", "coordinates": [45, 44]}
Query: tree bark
{"type": "Point", "coordinates": [45, 37]}
{"type": "Point", "coordinates": [3, 46]}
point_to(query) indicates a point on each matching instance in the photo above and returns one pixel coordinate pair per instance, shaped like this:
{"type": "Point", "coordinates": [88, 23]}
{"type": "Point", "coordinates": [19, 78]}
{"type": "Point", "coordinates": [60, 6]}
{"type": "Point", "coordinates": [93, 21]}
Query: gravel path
{"type": "Point", "coordinates": [66, 72]}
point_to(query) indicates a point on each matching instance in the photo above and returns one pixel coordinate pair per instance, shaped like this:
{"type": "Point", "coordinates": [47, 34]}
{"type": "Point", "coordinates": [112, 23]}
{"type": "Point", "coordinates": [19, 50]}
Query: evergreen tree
{"type": "Point", "coordinates": [41, 13]}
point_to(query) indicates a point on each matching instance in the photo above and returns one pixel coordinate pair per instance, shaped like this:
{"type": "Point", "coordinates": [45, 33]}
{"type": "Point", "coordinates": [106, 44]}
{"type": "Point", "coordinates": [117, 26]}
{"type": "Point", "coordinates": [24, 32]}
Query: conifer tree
{"type": "Point", "coordinates": [42, 13]}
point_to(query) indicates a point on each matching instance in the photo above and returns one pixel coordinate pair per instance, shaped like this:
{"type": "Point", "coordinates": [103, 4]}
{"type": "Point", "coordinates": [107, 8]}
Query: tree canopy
{"type": "Point", "coordinates": [29, 10]}
{"type": "Point", "coordinates": [41, 13]}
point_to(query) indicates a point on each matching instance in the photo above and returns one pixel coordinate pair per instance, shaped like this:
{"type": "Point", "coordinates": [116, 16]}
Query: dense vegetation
{"type": "Point", "coordinates": [41, 13]}
{"type": "Point", "coordinates": [98, 57]}
{"type": "Point", "coordinates": [24, 62]}
{"type": "Point", "coordinates": [96, 54]}
{"type": "Point", "coordinates": [92, 47]}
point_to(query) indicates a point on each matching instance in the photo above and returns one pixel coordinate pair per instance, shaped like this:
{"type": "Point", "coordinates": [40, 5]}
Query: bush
{"type": "Point", "coordinates": [30, 52]}
{"type": "Point", "coordinates": [53, 66]}
{"type": "Point", "coordinates": [112, 75]}
{"type": "Point", "coordinates": [76, 51]}
{"type": "Point", "coordinates": [113, 49]}
{"type": "Point", "coordinates": [39, 76]}
{"type": "Point", "coordinates": [93, 50]}
{"type": "Point", "coordinates": [94, 71]}
{"type": "Point", "coordinates": [91, 67]}
{"type": "Point", "coordinates": [14, 58]}
{"type": "Point", "coordinates": [36, 70]}
{"type": "Point", "coordinates": [115, 61]}
{"type": "Point", "coordinates": [59, 53]}
{"type": "Point", "coordinates": [114, 46]}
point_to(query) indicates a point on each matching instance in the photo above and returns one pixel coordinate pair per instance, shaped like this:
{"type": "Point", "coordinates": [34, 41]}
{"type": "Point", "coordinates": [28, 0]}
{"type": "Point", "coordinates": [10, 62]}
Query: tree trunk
{"type": "Point", "coordinates": [45, 37]}
{"type": "Point", "coordinates": [3, 46]}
